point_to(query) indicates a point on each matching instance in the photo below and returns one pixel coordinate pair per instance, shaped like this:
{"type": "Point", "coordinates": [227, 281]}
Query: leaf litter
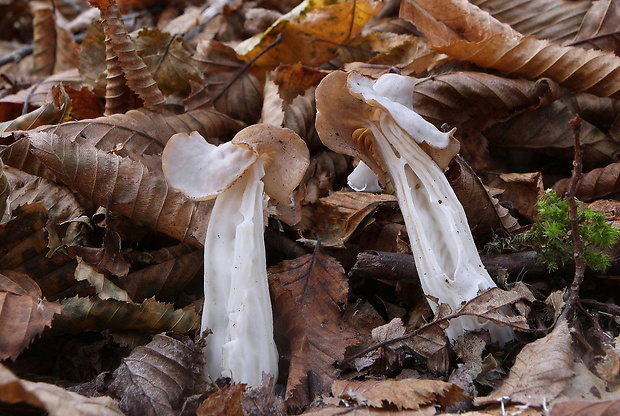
{"type": "Point", "coordinates": [99, 255]}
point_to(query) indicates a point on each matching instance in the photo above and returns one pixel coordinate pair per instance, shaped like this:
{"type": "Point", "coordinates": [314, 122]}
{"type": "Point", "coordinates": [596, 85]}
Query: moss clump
{"type": "Point", "coordinates": [552, 239]}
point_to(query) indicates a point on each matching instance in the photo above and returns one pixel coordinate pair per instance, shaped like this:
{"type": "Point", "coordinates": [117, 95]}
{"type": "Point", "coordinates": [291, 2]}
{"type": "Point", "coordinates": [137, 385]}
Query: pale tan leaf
{"type": "Point", "coordinates": [600, 27]}
{"type": "Point", "coordinates": [54, 111]}
{"type": "Point", "coordinates": [409, 394]}
{"type": "Point", "coordinates": [592, 71]}
{"type": "Point", "coordinates": [493, 305]}
{"type": "Point", "coordinates": [307, 292]}
{"type": "Point", "coordinates": [447, 21]}
{"type": "Point", "coordinates": [541, 370]}
{"type": "Point", "coordinates": [139, 79]}
{"type": "Point", "coordinates": [557, 20]}
{"type": "Point", "coordinates": [23, 313]}
{"type": "Point", "coordinates": [523, 190]}
{"type": "Point", "coordinates": [94, 314]}
{"type": "Point", "coordinates": [92, 55]}
{"type": "Point", "coordinates": [594, 184]}
{"type": "Point", "coordinates": [54, 400]}
{"type": "Point", "coordinates": [132, 189]}
{"type": "Point", "coordinates": [156, 378]}
{"type": "Point", "coordinates": [104, 288]}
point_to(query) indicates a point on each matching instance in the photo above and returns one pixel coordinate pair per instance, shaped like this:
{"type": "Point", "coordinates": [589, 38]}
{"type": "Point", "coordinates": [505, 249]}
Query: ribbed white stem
{"type": "Point", "coordinates": [445, 254]}
{"type": "Point", "coordinates": [237, 306]}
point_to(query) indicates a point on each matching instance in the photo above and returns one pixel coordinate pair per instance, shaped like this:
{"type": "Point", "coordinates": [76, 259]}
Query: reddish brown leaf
{"type": "Point", "coordinates": [307, 292]}
{"type": "Point", "coordinates": [608, 408]}
{"type": "Point", "coordinates": [44, 38]}
{"type": "Point", "coordinates": [225, 401]}
{"type": "Point", "coordinates": [523, 190]}
{"type": "Point", "coordinates": [594, 184]}
{"type": "Point", "coordinates": [23, 313]}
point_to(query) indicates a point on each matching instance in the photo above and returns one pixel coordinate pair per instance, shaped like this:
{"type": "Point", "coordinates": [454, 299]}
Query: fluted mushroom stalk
{"type": "Point", "coordinates": [261, 159]}
{"type": "Point", "coordinates": [376, 123]}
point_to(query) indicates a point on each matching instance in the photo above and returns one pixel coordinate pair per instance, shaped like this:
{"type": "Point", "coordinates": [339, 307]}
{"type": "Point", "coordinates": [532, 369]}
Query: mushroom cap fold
{"type": "Point", "coordinates": [200, 169]}
{"type": "Point", "coordinates": [347, 102]}
{"type": "Point", "coordinates": [284, 155]}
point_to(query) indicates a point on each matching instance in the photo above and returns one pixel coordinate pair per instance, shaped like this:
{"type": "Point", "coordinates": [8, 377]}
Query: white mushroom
{"type": "Point", "coordinates": [237, 306]}
{"type": "Point", "coordinates": [376, 123]}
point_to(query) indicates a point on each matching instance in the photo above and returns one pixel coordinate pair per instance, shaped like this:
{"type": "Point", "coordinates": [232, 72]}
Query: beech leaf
{"type": "Point", "coordinates": [307, 292]}
{"type": "Point", "coordinates": [594, 184]}
{"type": "Point", "coordinates": [23, 313]}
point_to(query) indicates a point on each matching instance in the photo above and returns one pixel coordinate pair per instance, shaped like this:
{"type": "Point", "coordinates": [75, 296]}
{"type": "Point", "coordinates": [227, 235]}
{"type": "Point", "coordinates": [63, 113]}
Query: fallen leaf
{"type": "Point", "coordinates": [541, 371]}
{"type": "Point", "coordinates": [307, 292]}
{"type": "Point", "coordinates": [607, 408]}
{"type": "Point", "coordinates": [53, 112]}
{"type": "Point", "coordinates": [411, 394]}
{"type": "Point", "coordinates": [599, 28]}
{"type": "Point", "coordinates": [54, 400]}
{"type": "Point", "coordinates": [24, 314]}
{"type": "Point", "coordinates": [594, 184]}
{"type": "Point", "coordinates": [156, 378]}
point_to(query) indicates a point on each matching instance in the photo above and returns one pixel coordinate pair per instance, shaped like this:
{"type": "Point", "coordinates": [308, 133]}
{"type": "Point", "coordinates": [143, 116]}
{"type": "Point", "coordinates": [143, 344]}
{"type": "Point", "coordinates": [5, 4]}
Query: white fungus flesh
{"type": "Point", "coordinates": [413, 153]}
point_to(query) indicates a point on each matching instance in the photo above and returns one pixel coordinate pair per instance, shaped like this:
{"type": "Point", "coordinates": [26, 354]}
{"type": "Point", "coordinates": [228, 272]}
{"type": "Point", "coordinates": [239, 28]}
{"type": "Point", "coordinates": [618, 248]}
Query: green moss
{"type": "Point", "coordinates": [552, 238]}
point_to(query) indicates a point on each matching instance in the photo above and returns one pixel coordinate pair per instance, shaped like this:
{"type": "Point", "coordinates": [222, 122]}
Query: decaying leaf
{"type": "Point", "coordinates": [239, 400]}
{"type": "Point", "coordinates": [136, 191]}
{"type": "Point", "coordinates": [409, 394]}
{"type": "Point", "coordinates": [53, 112]}
{"type": "Point", "coordinates": [104, 288]}
{"type": "Point", "coordinates": [54, 400]}
{"type": "Point", "coordinates": [546, 19]}
{"type": "Point", "coordinates": [605, 408]}
{"type": "Point", "coordinates": [594, 184]}
{"type": "Point", "coordinates": [313, 38]}
{"type": "Point", "coordinates": [5, 191]}
{"type": "Point", "coordinates": [523, 190]}
{"type": "Point", "coordinates": [492, 305]}
{"type": "Point", "coordinates": [339, 215]}
{"type": "Point", "coordinates": [307, 292]}
{"type": "Point", "coordinates": [599, 28]}
{"type": "Point", "coordinates": [541, 370]}
{"type": "Point", "coordinates": [156, 378]}
{"type": "Point", "coordinates": [23, 313]}
{"type": "Point", "coordinates": [138, 78]}
{"type": "Point", "coordinates": [81, 314]}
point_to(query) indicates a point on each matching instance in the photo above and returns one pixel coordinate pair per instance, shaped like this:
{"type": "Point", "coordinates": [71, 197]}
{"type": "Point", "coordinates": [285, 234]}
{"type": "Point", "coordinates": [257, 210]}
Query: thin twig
{"type": "Point", "coordinates": [573, 215]}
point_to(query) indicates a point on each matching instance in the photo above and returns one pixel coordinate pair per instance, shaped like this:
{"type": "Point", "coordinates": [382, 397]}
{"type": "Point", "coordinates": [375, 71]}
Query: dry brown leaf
{"type": "Point", "coordinates": [44, 29]}
{"type": "Point", "coordinates": [541, 370]}
{"type": "Point", "coordinates": [104, 288]}
{"type": "Point", "coordinates": [233, 90]}
{"type": "Point", "coordinates": [339, 215]}
{"type": "Point", "coordinates": [5, 191]}
{"type": "Point", "coordinates": [82, 314]}
{"type": "Point", "coordinates": [55, 111]}
{"type": "Point", "coordinates": [493, 303]}
{"type": "Point", "coordinates": [607, 408]}
{"type": "Point", "coordinates": [590, 70]}
{"type": "Point", "coordinates": [367, 411]}
{"type": "Point", "coordinates": [137, 76]}
{"type": "Point", "coordinates": [54, 400]}
{"type": "Point", "coordinates": [594, 184]}
{"type": "Point", "coordinates": [135, 191]}
{"type": "Point", "coordinates": [163, 280]}
{"type": "Point", "coordinates": [555, 20]}
{"type": "Point", "coordinates": [156, 378]}
{"type": "Point", "coordinates": [482, 214]}
{"type": "Point", "coordinates": [168, 59]}
{"type": "Point", "coordinates": [448, 21]}
{"type": "Point", "coordinates": [238, 400]}
{"type": "Point", "coordinates": [307, 292]}
{"type": "Point", "coordinates": [313, 38]}
{"type": "Point", "coordinates": [599, 28]}
{"type": "Point", "coordinates": [523, 190]}
{"type": "Point", "coordinates": [411, 394]}
{"type": "Point", "coordinates": [546, 128]}
{"type": "Point", "coordinates": [92, 54]}
{"type": "Point", "coordinates": [24, 313]}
